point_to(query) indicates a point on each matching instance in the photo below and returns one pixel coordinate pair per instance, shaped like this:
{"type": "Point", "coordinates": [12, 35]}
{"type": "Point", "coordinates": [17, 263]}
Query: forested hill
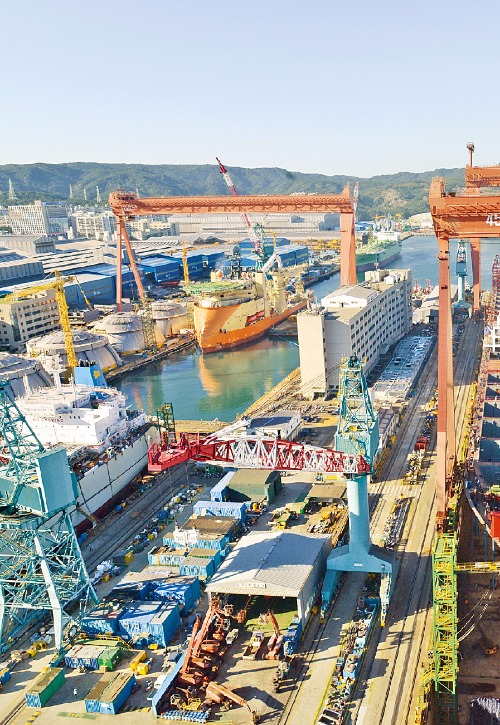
{"type": "Point", "coordinates": [404, 193]}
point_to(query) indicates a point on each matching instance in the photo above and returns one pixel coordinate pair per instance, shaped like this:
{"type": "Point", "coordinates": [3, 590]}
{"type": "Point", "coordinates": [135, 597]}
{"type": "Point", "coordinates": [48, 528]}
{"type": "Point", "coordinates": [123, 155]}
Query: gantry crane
{"type": "Point", "coordinates": [57, 285]}
{"type": "Point", "coordinates": [127, 205]}
{"type": "Point", "coordinates": [41, 566]}
{"type": "Point", "coordinates": [471, 216]}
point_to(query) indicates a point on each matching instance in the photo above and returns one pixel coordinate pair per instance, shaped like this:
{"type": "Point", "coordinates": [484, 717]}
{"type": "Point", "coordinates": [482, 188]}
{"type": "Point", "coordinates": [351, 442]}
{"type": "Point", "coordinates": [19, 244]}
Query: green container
{"type": "Point", "coordinates": [110, 658]}
{"type": "Point", "coordinates": [46, 685]}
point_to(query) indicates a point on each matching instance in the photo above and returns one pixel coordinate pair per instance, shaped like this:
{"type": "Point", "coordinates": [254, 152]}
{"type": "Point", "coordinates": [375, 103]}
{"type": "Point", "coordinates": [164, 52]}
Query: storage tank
{"type": "Point", "coordinates": [51, 351]}
{"type": "Point", "coordinates": [125, 331]}
{"type": "Point", "coordinates": [17, 370]}
{"type": "Point", "coordinates": [169, 317]}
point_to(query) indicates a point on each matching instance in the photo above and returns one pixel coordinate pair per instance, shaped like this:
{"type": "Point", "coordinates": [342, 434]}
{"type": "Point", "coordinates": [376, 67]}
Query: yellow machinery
{"type": "Point", "coordinates": [185, 264]}
{"type": "Point", "coordinates": [57, 285]}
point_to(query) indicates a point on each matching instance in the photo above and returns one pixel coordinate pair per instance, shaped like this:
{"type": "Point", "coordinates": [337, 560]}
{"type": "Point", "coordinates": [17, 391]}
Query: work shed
{"type": "Point", "coordinates": [276, 564]}
{"type": "Point", "coordinates": [253, 484]}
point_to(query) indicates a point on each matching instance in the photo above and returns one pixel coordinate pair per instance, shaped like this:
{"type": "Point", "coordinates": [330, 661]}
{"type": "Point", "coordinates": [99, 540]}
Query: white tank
{"type": "Point", "coordinates": [51, 351]}
{"type": "Point", "coordinates": [18, 371]}
{"type": "Point", "coordinates": [124, 331]}
{"type": "Point", "coordinates": [169, 317]}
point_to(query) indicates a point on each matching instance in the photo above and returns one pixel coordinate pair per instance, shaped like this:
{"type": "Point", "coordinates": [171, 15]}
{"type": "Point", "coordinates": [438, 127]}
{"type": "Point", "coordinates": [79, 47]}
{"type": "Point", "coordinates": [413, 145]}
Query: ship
{"type": "Point", "coordinates": [107, 443]}
{"type": "Point", "coordinates": [383, 249]}
{"type": "Point", "coordinates": [229, 313]}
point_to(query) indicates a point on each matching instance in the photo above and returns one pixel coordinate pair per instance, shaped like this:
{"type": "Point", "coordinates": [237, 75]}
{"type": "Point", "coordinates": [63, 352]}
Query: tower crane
{"type": "Point", "coordinates": [41, 565]}
{"type": "Point", "coordinates": [57, 285]}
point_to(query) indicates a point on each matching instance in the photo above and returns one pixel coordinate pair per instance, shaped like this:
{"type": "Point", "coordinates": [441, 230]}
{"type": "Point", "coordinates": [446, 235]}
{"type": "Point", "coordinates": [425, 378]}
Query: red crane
{"type": "Point", "coordinates": [234, 192]}
{"type": "Point", "coordinates": [255, 452]}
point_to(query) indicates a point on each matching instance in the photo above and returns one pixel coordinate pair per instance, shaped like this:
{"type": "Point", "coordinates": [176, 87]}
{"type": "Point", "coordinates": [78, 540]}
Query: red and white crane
{"type": "Point", "coordinates": [256, 452]}
{"type": "Point", "coordinates": [234, 192]}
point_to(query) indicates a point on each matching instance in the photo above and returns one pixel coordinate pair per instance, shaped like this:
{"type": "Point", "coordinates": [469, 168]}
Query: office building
{"type": "Point", "coordinates": [363, 320]}
{"type": "Point", "coordinates": [42, 217]}
{"type": "Point", "coordinates": [22, 320]}
{"type": "Point", "coordinates": [99, 225]}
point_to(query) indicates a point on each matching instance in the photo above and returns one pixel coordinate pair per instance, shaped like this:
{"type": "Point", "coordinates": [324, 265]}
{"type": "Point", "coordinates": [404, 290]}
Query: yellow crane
{"type": "Point", "coordinates": [185, 264]}
{"type": "Point", "coordinates": [57, 285]}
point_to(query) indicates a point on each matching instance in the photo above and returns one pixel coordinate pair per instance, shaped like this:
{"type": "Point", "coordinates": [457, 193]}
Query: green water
{"type": "Point", "coordinates": [223, 385]}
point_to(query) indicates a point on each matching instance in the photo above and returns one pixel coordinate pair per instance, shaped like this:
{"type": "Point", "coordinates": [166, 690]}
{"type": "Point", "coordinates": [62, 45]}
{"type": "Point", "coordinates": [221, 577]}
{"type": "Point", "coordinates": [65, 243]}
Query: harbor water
{"type": "Point", "coordinates": [222, 385]}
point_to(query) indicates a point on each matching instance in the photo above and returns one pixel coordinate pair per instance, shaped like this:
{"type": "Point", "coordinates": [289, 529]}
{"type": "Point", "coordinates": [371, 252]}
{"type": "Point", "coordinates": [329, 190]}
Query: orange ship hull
{"type": "Point", "coordinates": [221, 339]}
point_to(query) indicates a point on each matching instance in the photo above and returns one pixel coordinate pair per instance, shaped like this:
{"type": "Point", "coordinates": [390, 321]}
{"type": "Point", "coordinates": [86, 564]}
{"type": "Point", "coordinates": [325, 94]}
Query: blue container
{"type": "Point", "coordinates": [5, 674]}
{"type": "Point", "coordinates": [229, 509]}
{"type": "Point", "coordinates": [202, 568]}
{"type": "Point", "coordinates": [102, 620]}
{"type": "Point", "coordinates": [184, 592]}
{"type": "Point", "coordinates": [98, 702]}
{"type": "Point", "coordinates": [154, 621]}
{"type": "Point", "coordinates": [132, 591]}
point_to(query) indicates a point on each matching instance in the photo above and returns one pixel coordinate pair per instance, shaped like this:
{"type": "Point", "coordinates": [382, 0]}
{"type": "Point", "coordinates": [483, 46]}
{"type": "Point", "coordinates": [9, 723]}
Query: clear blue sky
{"type": "Point", "coordinates": [355, 87]}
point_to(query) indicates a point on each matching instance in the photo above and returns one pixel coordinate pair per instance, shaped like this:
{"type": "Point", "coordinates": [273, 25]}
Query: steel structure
{"type": "Point", "coordinates": [358, 432]}
{"type": "Point", "coordinates": [461, 272]}
{"type": "Point", "coordinates": [126, 205]}
{"type": "Point", "coordinates": [41, 566]}
{"type": "Point", "coordinates": [473, 216]}
{"type": "Point", "coordinates": [256, 452]}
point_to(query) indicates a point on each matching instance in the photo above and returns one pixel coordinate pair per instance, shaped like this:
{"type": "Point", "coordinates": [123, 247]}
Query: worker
{"type": "Point", "coordinates": [75, 693]}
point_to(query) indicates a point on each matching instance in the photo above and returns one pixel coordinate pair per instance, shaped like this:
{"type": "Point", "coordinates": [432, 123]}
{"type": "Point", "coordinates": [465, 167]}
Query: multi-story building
{"type": "Point", "coordinates": [22, 320]}
{"type": "Point", "coordinates": [99, 225]}
{"type": "Point", "coordinates": [42, 217]}
{"type": "Point", "coordinates": [363, 320]}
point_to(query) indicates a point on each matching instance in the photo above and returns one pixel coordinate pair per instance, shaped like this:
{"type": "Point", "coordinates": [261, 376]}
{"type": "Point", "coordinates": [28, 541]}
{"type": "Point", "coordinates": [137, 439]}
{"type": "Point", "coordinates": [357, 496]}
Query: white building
{"type": "Point", "coordinates": [93, 224]}
{"type": "Point", "coordinates": [362, 320]}
{"type": "Point", "coordinates": [42, 217]}
{"type": "Point", "coordinates": [22, 320]}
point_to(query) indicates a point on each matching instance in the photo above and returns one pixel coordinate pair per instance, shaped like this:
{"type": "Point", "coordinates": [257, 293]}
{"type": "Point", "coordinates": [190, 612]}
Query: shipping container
{"type": "Point", "coordinates": [110, 658]}
{"type": "Point", "coordinates": [110, 693]}
{"type": "Point", "coordinates": [5, 675]}
{"type": "Point", "coordinates": [103, 619]}
{"type": "Point", "coordinates": [185, 593]}
{"type": "Point", "coordinates": [152, 621]}
{"type": "Point", "coordinates": [204, 569]}
{"type": "Point", "coordinates": [46, 685]}
{"type": "Point", "coordinates": [84, 655]}
{"type": "Point", "coordinates": [123, 558]}
{"type": "Point", "coordinates": [131, 591]}
{"type": "Point", "coordinates": [233, 509]}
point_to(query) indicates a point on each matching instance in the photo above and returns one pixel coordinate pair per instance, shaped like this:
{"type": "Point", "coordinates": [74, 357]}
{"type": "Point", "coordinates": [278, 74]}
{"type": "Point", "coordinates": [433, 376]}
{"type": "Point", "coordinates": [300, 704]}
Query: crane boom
{"type": "Point", "coordinates": [256, 452]}
{"type": "Point", "coordinates": [234, 192]}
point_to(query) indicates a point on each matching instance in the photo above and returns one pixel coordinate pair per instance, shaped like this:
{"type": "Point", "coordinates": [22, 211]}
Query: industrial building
{"type": "Point", "coordinates": [284, 424]}
{"type": "Point", "coordinates": [276, 564]}
{"type": "Point", "coordinates": [16, 267]}
{"type": "Point", "coordinates": [399, 377]}
{"type": "Point", "coordinates": [250, 485]}
{"type": "Point", "coordinates": [42, 217]}
{"type": "Point", "coordinates": [21, 320]}
{"type": "Point", "coordinates": [362, 320]}
{"type": "Point", "coordinates": [161, 270]}
{"type": "Point", "coordinates": [29, 243]}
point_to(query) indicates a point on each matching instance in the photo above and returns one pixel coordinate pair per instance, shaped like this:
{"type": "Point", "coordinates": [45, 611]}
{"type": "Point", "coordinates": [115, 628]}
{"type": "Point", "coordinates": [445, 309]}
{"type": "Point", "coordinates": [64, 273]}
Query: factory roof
{"type": "Point", "coordinates": [269, 564]}
{"type": "Point", "coordinates": [252, 476]}
{"type": "Point", "coordinates": [210, 525]}
{"type": "Point", "coordinates": [276, 420]}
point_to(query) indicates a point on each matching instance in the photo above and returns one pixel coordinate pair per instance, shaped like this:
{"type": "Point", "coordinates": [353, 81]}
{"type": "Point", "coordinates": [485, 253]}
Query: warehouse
{"type": "Point", "coordinates": [161, 270]}
{"type": "Point", "coordinates": [253, 484]}
{"type": "Point", "coordinates": [277, 564]}
{"type": "Point", "coordinates": [283, 424]}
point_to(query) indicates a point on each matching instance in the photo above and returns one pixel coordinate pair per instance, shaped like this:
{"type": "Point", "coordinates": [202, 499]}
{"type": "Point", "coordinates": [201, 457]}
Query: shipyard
{"type": "Point", "coordinates": [249, 412]}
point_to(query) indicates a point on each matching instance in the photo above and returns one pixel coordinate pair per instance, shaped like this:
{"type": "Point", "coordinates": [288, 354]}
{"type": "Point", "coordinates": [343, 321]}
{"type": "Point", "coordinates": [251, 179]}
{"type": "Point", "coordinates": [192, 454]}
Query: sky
{"type": "Point", "coordinates": [359, 88]}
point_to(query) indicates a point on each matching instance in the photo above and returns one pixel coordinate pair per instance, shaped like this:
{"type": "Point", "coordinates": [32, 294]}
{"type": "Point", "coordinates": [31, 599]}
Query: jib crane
{"type": "Point", "coordinates": [250, 229]}
{"type": "Point", "coordinates": [58, 286]}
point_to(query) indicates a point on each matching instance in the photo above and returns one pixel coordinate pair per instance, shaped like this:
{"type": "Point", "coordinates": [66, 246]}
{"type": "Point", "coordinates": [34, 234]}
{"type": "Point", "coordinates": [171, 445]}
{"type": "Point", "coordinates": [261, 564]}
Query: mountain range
{"type": "Point", "coordinates": [404, 193]}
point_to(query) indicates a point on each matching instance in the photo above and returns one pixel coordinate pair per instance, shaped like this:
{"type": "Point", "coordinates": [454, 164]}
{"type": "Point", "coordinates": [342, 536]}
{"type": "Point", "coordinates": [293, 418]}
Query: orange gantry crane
{"type": "Point", "coordinates": [127, 205]}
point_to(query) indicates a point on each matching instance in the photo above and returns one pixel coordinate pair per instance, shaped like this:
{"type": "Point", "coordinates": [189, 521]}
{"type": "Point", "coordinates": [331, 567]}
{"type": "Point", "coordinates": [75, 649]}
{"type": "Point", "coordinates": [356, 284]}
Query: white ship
{"type": "Point", "coordinates": [107, 443]}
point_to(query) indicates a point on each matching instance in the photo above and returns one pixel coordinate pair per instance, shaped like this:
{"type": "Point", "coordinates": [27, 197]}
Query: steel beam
{"type": "Point", "coordinates": [475, 254]}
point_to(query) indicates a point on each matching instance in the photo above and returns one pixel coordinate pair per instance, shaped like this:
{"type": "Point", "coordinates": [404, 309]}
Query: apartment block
{"type": "Point", "coordinates": [22, 320]}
